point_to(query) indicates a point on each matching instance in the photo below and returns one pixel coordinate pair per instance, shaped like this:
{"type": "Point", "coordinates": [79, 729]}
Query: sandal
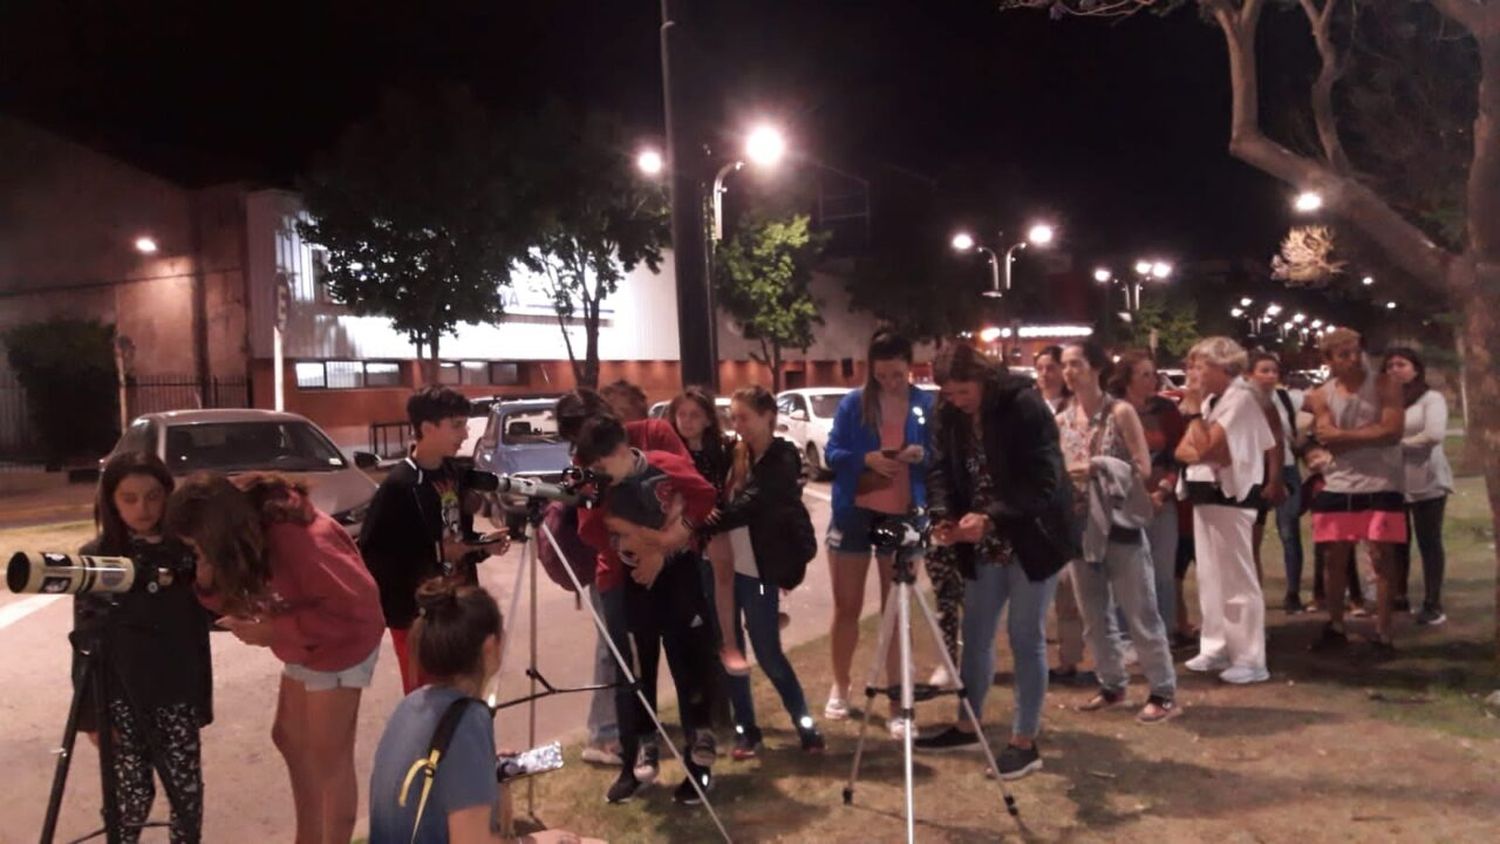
{"type": "Point", "coordinates": [1157, 710]}
{"type": "Point", "coordinates": [1105, 699]}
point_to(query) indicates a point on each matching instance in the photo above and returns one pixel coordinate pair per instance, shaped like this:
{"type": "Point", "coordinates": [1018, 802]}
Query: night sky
{"type": "Point", "coordinates": [1116, 131]}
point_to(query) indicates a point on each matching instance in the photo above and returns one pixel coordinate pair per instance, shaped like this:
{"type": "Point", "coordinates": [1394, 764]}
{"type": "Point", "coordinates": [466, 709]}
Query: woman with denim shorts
{"type": "Point", "coordinates": [878, 451]}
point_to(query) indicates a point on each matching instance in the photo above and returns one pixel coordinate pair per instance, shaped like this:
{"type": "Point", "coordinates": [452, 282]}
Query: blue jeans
{"type": "Point", "coordinates": [603, 728]}
{"type": "Point", "coordinates": [1125, 576]}
{"type": "Point", "coordinates": [757, 607]}
{"type": "Point", "coordinates": [1289, 528]}
{"type": "Point", "coordinates": [985, 597]}
{"type": "Point", "coordinates": [1161, 536]}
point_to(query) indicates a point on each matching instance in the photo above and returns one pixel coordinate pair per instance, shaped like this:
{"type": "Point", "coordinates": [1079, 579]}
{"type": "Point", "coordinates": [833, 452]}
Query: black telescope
{"type": "Point", "coordinates": [149, 569]}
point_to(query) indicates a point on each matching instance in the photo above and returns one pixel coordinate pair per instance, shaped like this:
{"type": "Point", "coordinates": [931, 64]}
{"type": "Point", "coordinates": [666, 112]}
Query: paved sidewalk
{"type": "Point", "coordinates": [59, 502]}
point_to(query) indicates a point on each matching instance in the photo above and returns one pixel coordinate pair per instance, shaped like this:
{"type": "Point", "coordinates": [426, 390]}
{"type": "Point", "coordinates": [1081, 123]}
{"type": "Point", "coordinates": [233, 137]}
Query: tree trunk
{"type": "Point", "coordinates": [430, 368]}
{"type": "Point", "coordinates": [591, 342]}
{"type": "Point", "coordinates": [775, 368]}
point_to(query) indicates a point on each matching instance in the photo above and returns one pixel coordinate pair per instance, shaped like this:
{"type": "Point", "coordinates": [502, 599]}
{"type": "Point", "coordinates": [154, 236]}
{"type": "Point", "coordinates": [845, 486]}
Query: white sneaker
{"type": "Point", "coordinates": [837, 708]}
{"type": "Point", "coordinates": [940, 677]}
{"type": "Point", "coordinates": [1244, 674]}
{"type": "Point", "coordinates": [897, 727]}
{"type": "Point", "coordinates": [1205, 663]}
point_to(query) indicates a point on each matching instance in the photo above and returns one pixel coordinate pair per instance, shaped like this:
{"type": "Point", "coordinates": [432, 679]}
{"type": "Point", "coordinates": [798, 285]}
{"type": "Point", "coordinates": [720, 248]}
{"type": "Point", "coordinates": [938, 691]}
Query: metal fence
{"type": "Point", "coordinates": [20, 447]}
{"type": "Point", "coordinates": [390, 440]}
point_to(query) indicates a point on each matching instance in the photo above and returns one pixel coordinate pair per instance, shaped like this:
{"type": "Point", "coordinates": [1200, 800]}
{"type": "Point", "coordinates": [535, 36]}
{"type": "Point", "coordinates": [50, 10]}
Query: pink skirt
{"type": "Point", "coordinates": [1360, 526]}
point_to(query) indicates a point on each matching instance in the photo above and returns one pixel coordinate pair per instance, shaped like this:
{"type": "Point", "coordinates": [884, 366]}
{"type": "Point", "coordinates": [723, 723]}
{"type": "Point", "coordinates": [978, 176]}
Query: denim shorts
{"type": "Point", "coordinates": [855, 538]}
{"type": "Point", "coordinates": [354, 677]}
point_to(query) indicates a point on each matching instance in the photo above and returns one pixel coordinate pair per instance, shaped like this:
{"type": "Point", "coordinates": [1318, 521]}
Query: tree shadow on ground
{"type": "Point", "coordinates": [1210, 721]}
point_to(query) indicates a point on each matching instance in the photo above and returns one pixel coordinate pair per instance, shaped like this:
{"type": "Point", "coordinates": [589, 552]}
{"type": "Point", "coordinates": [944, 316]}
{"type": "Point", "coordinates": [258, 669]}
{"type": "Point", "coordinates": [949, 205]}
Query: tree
{"type": "Point", "coordinates": [918, 291]}
{"type": "Point", "coordinates": [1172, 322]}
{"type": "Point", "coordinates": [1358, 163]}
{"type": "Point", "coordinates": [602, 219]}
{"type": "Point", "coordinates": [423, 213]}
{"type": "Point", "coordinates": [67, 367]}
{"type": "Point", "coordinates": [762, 278]}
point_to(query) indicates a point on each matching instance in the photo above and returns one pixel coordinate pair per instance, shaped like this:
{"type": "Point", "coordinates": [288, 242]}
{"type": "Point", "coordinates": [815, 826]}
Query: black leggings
{"type": "Point", "coordinates": [1425, 519]}
{"type": "Point", "coordinates": [948, 588]}
{"type": "Point", "coordinates": [163, 741]}
{"type": "Point", "coordinates": [672, 615]}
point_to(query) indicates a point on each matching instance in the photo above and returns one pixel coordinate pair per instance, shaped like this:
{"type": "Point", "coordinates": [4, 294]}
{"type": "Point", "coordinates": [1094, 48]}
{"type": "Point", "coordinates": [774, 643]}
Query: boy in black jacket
{"type": "Point", "coordinates": [419, 526]}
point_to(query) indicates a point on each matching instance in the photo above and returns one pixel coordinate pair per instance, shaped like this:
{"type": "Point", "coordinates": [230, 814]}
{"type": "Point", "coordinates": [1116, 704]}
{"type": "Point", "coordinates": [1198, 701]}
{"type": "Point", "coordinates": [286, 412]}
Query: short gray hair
{"type": "Point", "coordinates": [1223, 353]}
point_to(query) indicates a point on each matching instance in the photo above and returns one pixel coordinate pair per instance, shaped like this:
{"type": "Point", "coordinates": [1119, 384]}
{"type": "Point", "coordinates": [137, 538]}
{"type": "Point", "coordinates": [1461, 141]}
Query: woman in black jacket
{"type": "Point", "coordinates": [997, 492]}
{"type": "Point", "coordinates": [158, 666]}
{"type": "Point", "coordinates": [764, 502]}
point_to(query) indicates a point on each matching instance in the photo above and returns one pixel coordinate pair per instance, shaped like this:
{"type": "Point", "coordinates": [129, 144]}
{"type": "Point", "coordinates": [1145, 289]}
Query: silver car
{"type": "Point", "coordinates": [236, 441]}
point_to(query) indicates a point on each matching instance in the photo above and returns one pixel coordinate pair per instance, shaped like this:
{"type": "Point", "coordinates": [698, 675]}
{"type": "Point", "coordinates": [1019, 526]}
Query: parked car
{"type": "Point", "coordinates": [806, 420]}
{"type": "Point", "coordinates": [721, 405]}
{"type": "Point", "coordinates": [520, 438]}
{"type": "Point", "coordinates": [239, 441]}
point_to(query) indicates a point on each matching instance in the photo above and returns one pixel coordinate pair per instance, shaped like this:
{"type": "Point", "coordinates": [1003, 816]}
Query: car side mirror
{"type": "Point", "coordinates": [366, 460]}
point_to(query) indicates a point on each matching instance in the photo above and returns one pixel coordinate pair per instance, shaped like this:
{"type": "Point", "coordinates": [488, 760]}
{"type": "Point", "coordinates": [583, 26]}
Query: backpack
{"type": "Point", "coordinates": [562, 520]}
{"type": "Point", "coordinates": [798, 547]}
{"type": "Point", "coordinates": [426, 767]}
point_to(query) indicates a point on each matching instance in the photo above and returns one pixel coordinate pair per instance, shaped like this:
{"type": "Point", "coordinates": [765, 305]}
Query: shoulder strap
{"type": "Point", "coordinates": [1100, 425]}
{"type": "Point", "coordinates": [1286, 401]}
{"type": "Point", "coordinates": [426, 767]}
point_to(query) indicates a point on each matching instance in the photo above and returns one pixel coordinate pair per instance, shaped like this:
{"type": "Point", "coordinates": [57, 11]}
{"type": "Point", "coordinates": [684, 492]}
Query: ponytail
{"type": "Point", "coordinates": [453, 622]}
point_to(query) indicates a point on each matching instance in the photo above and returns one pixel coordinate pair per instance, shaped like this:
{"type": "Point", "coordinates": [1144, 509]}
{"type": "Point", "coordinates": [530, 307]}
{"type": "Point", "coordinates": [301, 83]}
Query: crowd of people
{"type": "Point", "coordinates": [1085, 493]}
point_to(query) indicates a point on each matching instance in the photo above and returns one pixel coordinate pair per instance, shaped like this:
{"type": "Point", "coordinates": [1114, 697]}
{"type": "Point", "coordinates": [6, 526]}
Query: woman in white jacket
{"type": "Point", "coordinates": [1427, 481]}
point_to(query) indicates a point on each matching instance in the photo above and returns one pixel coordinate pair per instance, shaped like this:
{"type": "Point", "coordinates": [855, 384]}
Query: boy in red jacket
{"type": "Point", "coordinates": [644, 526]}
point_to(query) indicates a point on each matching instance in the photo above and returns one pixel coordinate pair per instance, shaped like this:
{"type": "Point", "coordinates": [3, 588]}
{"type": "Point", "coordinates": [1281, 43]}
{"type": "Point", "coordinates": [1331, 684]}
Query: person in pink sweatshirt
{"type": "Point", "coordinates": [286, 576]}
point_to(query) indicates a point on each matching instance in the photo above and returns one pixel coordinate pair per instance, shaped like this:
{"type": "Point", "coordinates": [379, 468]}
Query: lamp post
{"type": "Point", "coordinates": [1040, 234]}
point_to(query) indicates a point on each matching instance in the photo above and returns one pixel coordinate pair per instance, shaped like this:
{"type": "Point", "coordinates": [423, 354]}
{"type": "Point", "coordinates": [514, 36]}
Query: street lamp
{"type": "Point", "coordinates": [991, 334]}
{"type": "Point", "coordinates": [765, 146]}
{"type": "Point", "coordinates": [1367, 280]}
{"type": "Point", "coordinates": [1103, 276]}
{"type": "Point", "coordinates": [1039, 234]}
{"type": "Point", "coordinates": [1299, 318]}
{"type": "Point", "coordinates": [963, 242]}
{"type": "Point", "coordinates": [1308, 202]}
{"type": "Point", "coordinates": [1390, 306]}
{"type": "Point", "coordinates": [145, 245]}
{"type": "Point", "coordinates": [650, 162]}
{"type": "Point", "coordinates": [1273, 309]}
{"type": "Point", "coordinates": [1236, 312]}
{"type": "Point", "coordinates": [1145, 270]}
{"type": "Point", "coordinates": [1245, 301]}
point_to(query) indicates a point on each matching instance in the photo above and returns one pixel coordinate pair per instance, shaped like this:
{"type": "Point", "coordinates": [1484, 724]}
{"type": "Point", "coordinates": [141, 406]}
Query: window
{"type": "Point", "coordinates": [238, 446]}
{"type": "Point", "coordinates": [505, 374]}
{"type": "Point", "coordinates": [530, 427]}
{"type": "Point", "coordinates": [347, 374]}
{"type": "Point", "coordinates": [479, 373]}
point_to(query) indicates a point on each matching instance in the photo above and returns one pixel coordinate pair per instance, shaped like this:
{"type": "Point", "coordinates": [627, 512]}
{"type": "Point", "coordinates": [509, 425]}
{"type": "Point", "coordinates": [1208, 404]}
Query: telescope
{"type": "Point", "coordinates": [150, 568]}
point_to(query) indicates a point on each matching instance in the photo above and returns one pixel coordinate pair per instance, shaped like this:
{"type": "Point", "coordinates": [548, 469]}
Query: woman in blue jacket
{"type": "Point", "coordinates": [878, 452]}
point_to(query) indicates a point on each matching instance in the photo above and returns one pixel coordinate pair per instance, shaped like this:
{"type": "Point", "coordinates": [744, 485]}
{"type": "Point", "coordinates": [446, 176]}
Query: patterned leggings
{"type": "Point", "coordinates": [163, 741]}
{"type": "Point", "coordinates": [948, 587]}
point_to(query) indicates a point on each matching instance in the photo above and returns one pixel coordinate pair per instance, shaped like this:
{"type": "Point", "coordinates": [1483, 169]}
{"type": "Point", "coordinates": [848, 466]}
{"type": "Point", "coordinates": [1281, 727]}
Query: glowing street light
{"type": "Point", "coordinates": [1367, 280]}
{"type": "Point", "coordinates": [1273, 309]}
{"type": "Point", "coordinates": [963, 241]}
{"type": "Point", "coordinates": [1236, 312]}
{"type": "Point", "coordinates": [1040, 234]}
{"type": "Point", "coordinates": [1161, 270]}
{"type": "Point", "coordinates": [990, 335]}
{"type": "Point", "coordinates": [1317, 323]}
{"type": "Point", "coordinates": [1143, 267]}
{"type": "Point", "coordinates": [1103, 276]}
{"type": "Point", "coordinates": [1308, 201]}
{"type": "Point", "coordinates": [765, 146]}
{"type": "Point", "coordinates": [145, 245]}
{"type": "Point", "coordinates": [1245, 301]}
{"type": "Point", "coordinates": [1390, 306]}
{"type": "Point", "coordinates": [650, 162]}
{"type": "Point", "coordinates": [1299, 318]}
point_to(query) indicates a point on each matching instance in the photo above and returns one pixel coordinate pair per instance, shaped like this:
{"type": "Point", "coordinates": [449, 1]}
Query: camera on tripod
{"type": "Point", "coordinates": [149, 568]}
{"type": "Point", "coordinates": [578, 486]}
{"type": "Point", "coordinates": [899, 533]}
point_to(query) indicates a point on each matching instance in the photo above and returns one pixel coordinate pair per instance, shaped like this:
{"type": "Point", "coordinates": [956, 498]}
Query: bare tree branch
{"type": "Point", "coordinates": [1321, 21]}
{"type": "Point", "coordinates": [1412, 250]}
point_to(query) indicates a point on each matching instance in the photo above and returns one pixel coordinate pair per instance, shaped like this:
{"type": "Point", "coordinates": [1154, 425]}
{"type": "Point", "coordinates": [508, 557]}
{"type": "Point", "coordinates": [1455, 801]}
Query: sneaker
{"type": "Point", "coordinates": [1205, 664]}
{"type": "Point", "coordinates": [1016, 762]}
{"type": "Point", "coordinates": [1293, 605]}
{"type": "Point", "coordinates": [950, 739]}
{"type": "Point", "coordinates": [940, 677]}
{"type": "Point", "coordinates": [624, 788]}
{"type": "Point", "coordinates": [1105, 699]}
{"type": "Point", "coordinates": [704, 748]}
{"type": "Point", "coordinates": [1329, 640]}
{"type": "Point", "coordinates": [898, 728]}
{"type": "Point", "coordinates": [1431, 616]}
{"type": "Point", "coordinates": [837, 708]}
{"type": "Point", "coordinates": [685, 794]}
{"type": "Point", "coordinates": [1241, 675]}
{"type": "Point", "coordinates": [648, 762]}
{"type": "Point", "coordinates": [602, 754]}
{"type": "Point", "coordinates": [746, 744]}
{"type": "Point", "coordinates": [1165, 709]}
{"type": "Point", "coordinates": [812, 740]}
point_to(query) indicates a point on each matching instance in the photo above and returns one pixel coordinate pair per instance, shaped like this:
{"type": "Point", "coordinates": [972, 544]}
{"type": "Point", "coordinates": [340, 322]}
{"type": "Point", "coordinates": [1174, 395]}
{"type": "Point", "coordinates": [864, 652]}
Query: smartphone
{"type": "Point", "coordinates": [538, 760]}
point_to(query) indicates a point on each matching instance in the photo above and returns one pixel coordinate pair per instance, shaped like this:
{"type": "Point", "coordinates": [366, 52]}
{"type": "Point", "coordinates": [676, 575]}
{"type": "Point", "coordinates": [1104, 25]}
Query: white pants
{"type": "Point", "coordinates": [1234, 608]}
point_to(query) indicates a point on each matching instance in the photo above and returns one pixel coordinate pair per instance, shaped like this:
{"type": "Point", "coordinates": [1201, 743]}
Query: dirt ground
{"type": "Point", "coordinates": [1339, 748]}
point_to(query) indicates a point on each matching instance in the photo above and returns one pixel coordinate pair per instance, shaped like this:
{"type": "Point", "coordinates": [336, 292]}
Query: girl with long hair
{"type": "Point", "coordinates": [696, 421]}
{"type": "Point", "coordinates": [288, 577]}
{"type": "Point", "coordinates": [1427, 481]}
{"type": "Point", "coordinates": [877, 450]}
{"type": "Point", "coordinates": [160, 669]}
{"type": "Point", "coordinates": [762, 494]}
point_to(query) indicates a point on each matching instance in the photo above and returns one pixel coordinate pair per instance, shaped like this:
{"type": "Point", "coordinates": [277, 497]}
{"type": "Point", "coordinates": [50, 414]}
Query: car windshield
{"type": "Point", "coordinates": [241, 446]}
{"type": "Point", "coordinates": [530, 427]}
{"type": "Point", "coordinates": [825, 405]}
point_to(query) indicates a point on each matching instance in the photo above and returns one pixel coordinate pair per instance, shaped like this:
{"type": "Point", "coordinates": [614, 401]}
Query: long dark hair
{"type": "Point", "coordinates": [1053, 351]}
{"type": "Point", "coordinates": [1410, 393]}
{"type": "Point", "coordinates": [114, 535]}
{"type": "Point", "coordinates": [713, 435]}
{"type": "Point", "coordinates": [452, 624]}
{"type": "Point", "coordinates": [1097, 358]}
{"type": "Point", "coordinates": [884, 345]}
{"type": "Point", "coordinates": [227, 519]}
{"type": "Point", "coordinates": [962, 362]}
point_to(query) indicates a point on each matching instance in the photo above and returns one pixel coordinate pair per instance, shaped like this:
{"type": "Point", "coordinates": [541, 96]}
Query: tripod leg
{"type": "Point", "coordinates": [887, 626]}
{"type": "Point", "coordinates": [984, 744]}
{"type": "Point", "coordinates": [529, 560]}
{"type": "Point", "coordinates": [630, 679]}
{"type": "Point", "coordinates": [65, 752]}
{"type": "Point", "coordinates": [903, 604]}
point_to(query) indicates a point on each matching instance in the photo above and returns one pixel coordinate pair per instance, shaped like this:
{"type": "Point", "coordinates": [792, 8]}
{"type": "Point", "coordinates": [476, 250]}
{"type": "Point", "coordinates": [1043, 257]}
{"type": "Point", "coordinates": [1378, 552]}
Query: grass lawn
{"type": "Point", "coordinates": [1332, 749]}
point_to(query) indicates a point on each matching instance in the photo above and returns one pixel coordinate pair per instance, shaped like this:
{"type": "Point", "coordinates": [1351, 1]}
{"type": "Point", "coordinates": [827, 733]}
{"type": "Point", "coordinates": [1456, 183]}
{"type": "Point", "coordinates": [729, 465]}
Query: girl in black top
{"type": "Point", "coordinates": [159, 668]}
{"type": "Point", "coordinates": [696, 421]}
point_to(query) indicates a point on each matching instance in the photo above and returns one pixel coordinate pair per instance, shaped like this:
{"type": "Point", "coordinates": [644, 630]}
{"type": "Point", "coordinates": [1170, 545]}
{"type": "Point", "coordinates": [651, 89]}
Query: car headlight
{"type": "Point", "coordinates": [353, 516]}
